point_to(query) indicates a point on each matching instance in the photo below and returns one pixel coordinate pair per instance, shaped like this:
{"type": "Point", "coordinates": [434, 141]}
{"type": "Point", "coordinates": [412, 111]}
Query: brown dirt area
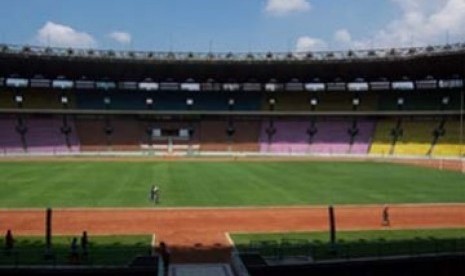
{"type": "Point", "coordinates": [199, 235]}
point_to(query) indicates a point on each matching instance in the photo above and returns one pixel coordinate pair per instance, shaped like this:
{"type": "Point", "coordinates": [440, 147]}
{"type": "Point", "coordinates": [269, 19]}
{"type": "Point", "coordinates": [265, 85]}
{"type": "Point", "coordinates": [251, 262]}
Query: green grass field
{"type": "Point", "coordinates": [127, 184]}
{"type": "Point", "coordinates": [353, 244]}
{"type": "Point", "coordinates": [103, 250]}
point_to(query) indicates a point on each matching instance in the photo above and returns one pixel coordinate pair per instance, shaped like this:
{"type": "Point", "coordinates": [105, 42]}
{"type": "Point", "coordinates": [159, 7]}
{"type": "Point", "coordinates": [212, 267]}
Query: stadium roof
{"type": "Point", "coordinates": [318, 56]}
{"type": "Point", "coordinates": [440, 62]}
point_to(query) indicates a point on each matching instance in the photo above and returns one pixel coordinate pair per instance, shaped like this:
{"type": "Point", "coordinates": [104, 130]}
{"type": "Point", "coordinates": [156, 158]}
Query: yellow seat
{"type": "Point", "coordinates": [382, 140]}
{"type": "Point", "coordinates": [417, 137]}
{"type": "Point", "coordinates": [449, 144]}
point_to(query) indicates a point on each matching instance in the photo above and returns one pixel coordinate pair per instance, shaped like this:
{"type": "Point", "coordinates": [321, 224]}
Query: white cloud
{"type": "Point", "coordinates": [285, 7]}
{"type": "Point", "coordinates": [420, 23]}
{"type": "Point", "coordinates": [423, 22]}
{"type": "Point", "coordinates": [54, 34]}
{"type": "Point", "coordinates": [342, 36]}
{"type": "Point", "coordinates": [121, 37]}
{"type": "Point", "coordinates": [307, 44]}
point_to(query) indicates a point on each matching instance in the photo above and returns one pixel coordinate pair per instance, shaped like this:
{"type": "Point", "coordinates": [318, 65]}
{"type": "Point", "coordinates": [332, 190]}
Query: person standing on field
{"type": "Point", "coordinates": [386, 221]}
{"type": "Point", "coordinates": [152, 193]}
{"type": "Point", "coordinates": [156, 194]}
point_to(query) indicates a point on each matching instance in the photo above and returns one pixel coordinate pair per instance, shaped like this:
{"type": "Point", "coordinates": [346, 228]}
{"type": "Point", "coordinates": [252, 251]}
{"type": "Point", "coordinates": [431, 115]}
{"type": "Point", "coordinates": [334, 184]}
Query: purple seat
{"type": "Point", "coordinates": [45, 136]}
{"type": "Point", "coordinates": [42, 136]}
{"type": "Point", "coordinates": [10, 140]}
{"type": "Point", "coordinates": [331, 138]}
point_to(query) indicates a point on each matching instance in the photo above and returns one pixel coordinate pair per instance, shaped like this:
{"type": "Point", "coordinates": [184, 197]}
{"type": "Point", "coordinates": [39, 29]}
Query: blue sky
{"type": "Point", "coordinates": [231, 25]}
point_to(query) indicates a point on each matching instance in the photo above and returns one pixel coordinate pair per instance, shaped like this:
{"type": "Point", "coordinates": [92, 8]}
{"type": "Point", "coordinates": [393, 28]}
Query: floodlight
{"type": "Point", "coordinates": [445, 100]}
{"type": "Point", "coordinates": [400, 101]}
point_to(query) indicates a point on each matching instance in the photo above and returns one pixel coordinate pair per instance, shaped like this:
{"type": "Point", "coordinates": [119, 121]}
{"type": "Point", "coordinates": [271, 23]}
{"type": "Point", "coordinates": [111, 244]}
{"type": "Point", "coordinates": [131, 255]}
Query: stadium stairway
{"type": "Point", "coordinates": [201, 270]}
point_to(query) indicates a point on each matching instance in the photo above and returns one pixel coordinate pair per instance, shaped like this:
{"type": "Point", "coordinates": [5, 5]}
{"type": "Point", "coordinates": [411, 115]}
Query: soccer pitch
{"type": "Point", "coordinates": [188, 183]}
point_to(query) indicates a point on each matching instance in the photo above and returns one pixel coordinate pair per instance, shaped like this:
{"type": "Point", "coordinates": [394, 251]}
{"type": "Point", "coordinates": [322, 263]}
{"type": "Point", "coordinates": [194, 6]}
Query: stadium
{"type": "Point", "coordinates": [333, 162]}
{"type": "Point", "coordinates": [94, 129]}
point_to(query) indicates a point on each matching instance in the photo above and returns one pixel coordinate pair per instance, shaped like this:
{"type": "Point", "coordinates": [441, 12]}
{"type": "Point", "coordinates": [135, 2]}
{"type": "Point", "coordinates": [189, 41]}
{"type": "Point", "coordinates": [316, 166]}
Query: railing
{"type": "Point", "coordinates": [234, 113]}
{"type": "Point", "coordinates": [394, 53]}
{"type": "Point", "coordinates": [319, 251]}
{"type": "Point", "coordinates": [64, 257]}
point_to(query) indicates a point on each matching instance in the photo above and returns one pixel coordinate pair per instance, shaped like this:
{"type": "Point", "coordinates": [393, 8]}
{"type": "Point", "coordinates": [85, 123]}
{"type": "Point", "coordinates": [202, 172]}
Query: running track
{"type": "Point", "coordinates": [199, 235]}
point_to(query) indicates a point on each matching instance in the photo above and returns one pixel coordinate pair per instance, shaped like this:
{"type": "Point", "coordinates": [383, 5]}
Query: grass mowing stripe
{"type": "Point", "coordinates": [202, 184]}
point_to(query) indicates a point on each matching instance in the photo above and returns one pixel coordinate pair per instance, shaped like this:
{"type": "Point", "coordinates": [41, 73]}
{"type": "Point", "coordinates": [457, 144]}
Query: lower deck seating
{"type": "Point", "coordinates": [43, 135]}
{"type": "Point", "coordinates": [126, 135]}
{"type": "Point", "coordinates": [214, 137]}
{"type": "Point", "coordinates": [91, 135]}
{"type": "Point", "coordinates": [382, 140]}
{"type": "Point", "coordinates": [416, 139]}
{"type": "Point", "coordinates": [10, 140]}
{"type": "Point", "coordinates": [331, 137]}
{"type": "Point", "coordinates": [450, 143]}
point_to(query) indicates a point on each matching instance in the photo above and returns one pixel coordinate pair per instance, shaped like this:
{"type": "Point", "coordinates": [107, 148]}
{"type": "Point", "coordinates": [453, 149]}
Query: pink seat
{"type": "Point", "coordinates": [331, 138]}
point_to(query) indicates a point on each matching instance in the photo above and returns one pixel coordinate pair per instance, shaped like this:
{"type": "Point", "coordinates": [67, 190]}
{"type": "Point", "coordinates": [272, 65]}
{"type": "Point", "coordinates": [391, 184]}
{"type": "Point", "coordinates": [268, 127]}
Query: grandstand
{"type": "Point", "coordinates": [201, 109]}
